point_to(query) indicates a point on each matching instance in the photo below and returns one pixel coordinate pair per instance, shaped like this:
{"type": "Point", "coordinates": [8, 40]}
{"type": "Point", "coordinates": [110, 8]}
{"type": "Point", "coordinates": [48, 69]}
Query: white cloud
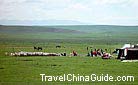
{"type": "Point", "coordinates": [11, 1]}
{"type": "Point", "coordinates": [106, 2]}
{"type": "Point", "coordinates": [78, 6]}
{"type": "Point", "coordinates": [91, 11]}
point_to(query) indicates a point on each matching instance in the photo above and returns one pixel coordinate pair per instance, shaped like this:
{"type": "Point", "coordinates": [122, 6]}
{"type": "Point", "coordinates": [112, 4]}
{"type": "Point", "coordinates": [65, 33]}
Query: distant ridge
{"type": "Point", "coordinates": [87, 33]}
{"type": "Point", "coordinates": [35, 29]}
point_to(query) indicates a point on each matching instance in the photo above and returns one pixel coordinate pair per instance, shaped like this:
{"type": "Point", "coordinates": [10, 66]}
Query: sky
{"type": "Point", "coordinates": [97, 12]}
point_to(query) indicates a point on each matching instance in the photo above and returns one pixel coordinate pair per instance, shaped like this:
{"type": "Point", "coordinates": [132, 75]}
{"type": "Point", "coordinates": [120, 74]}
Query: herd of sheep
{"type": "Point", "coordinates": [34, 54]}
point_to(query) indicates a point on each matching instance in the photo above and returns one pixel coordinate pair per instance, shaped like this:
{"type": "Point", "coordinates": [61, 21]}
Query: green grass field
{"type": "Point", "coordinates": [27, 70]}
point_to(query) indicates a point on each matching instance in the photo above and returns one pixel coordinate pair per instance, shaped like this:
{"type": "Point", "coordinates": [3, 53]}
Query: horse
{"type": "Point", "coordinates": [58, 46]}
{"type": "Point", "coordinates": [35, 48]}
{"type": "Point", "coordinates": [38, 48]}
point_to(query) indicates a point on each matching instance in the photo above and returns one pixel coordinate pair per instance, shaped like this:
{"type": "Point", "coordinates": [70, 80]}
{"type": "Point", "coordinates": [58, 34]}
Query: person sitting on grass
{"type": "Point", "coordinates": [74, 53]}
{"type": "Point", "coordinates": [95, 53]}
{"type": "Point", "coordinates": [106, 55]}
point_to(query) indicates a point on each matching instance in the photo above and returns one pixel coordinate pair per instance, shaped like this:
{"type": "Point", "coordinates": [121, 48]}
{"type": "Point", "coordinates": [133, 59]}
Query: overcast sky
{"type": "Point", "coordinates": [117, 12]}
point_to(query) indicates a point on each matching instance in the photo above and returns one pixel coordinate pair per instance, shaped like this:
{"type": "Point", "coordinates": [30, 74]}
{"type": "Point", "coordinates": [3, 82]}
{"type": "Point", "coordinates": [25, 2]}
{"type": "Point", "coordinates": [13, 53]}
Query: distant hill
{"type": "Point", "coordinates": [87, 33]}
{"type": "Point", "coordinates": [35, 29]}
{"type": "Point", "coordinates": [99, 28]}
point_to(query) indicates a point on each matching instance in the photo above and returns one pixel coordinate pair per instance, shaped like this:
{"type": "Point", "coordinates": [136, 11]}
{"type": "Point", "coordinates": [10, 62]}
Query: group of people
{"type": "Point", "coordinates": [94, 53]}
{"type": "Point", "coordinates": [99, 52]}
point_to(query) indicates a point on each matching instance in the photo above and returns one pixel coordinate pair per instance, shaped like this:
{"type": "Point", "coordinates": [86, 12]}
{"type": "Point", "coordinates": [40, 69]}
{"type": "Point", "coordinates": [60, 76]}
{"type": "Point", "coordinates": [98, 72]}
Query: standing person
{"type": "Point", "coordinates": [98, 52]}
{"type": "Point", "coordinates": [87, 48]}
{"type": "Point", "coordinates": [91, 53]}
{"type": "Point", "coordinates": [102, 52]}
{"type": "Point", "coordinates": [95, 52]}
{"type": "Point", "coordinates": [88, 52]}
{"type": "Point", "coordinates": [106, 50]}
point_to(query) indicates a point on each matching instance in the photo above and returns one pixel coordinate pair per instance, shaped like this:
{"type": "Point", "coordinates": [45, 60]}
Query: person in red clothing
{"type": "Point", "coordinates": [74, 53]}
{"type": "Point", "coordinates": [95, 52]}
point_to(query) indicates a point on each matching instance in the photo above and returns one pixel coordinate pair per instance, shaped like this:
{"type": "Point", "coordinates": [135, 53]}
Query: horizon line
{"type": "Point", "coordinates": [68, 25]}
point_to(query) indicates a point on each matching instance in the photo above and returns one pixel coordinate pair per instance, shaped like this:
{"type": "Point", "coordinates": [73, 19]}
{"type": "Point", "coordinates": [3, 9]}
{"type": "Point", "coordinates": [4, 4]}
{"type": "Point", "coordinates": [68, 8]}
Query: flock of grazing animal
{"type": "Point", "coordinates": [22, 53]}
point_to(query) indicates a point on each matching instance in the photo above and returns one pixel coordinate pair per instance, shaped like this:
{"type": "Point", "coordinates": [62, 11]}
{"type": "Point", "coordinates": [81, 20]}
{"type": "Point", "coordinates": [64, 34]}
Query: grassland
{"type": "Point", "coordinates": [26, 70]}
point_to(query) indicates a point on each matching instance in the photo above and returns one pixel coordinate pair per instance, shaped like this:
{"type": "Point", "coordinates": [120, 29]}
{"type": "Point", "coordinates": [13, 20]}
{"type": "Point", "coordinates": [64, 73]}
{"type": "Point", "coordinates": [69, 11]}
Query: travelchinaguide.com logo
{"type": "Point", "coordinates": [92, 77]}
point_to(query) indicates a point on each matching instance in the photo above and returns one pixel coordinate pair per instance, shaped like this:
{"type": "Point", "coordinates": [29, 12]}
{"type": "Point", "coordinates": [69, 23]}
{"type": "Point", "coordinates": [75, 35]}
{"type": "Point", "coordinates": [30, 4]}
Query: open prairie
{"type": "Point", "coordinates": [27, 70]}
